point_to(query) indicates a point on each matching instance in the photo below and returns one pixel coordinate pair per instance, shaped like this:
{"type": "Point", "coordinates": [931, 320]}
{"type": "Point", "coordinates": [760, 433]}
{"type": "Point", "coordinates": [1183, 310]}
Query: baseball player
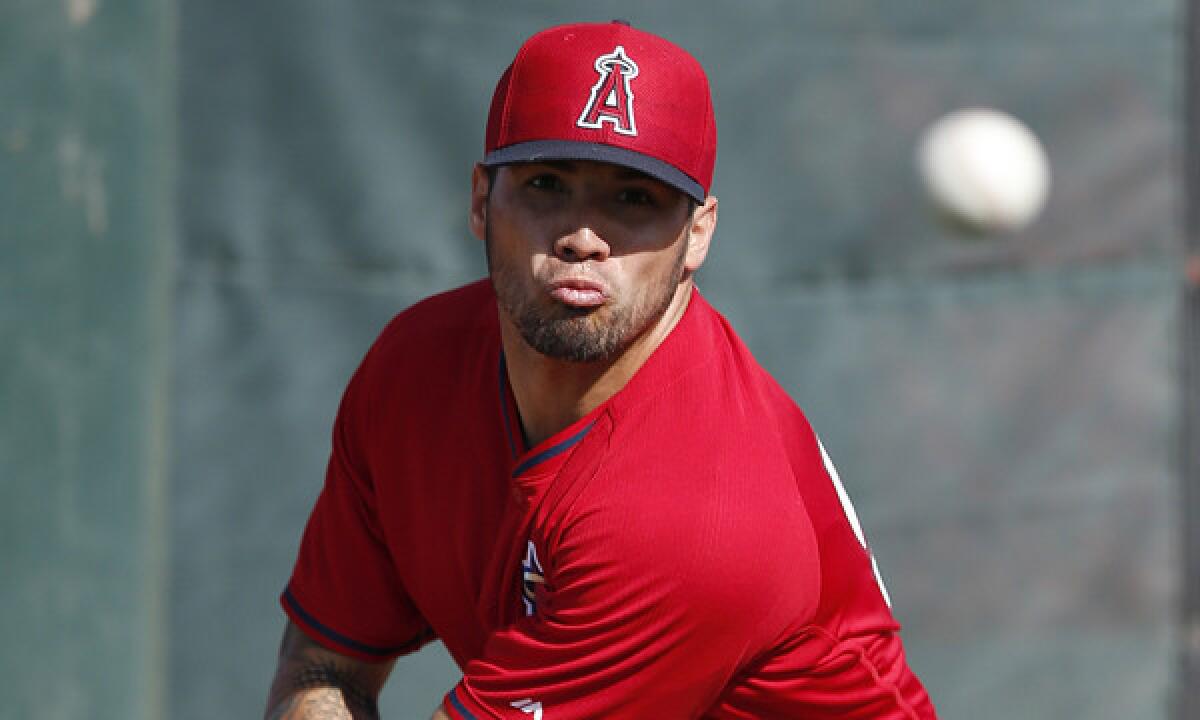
{"type": "Point", "coordinates": [573, 473]}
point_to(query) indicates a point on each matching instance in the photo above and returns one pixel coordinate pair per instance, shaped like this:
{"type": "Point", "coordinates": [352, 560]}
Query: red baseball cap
{"type": "Point", "coordinates": [606, 92]}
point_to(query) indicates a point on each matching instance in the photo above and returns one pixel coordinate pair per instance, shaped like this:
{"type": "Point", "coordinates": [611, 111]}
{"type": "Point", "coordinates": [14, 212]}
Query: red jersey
{"type": "Point", "coordinates": [684, 551]}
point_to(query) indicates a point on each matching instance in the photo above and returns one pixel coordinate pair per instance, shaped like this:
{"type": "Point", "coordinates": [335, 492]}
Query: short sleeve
{"type": "Point", "coordinates": [645, 615]}
{"type": "Point", "coordinates": [344, 591]}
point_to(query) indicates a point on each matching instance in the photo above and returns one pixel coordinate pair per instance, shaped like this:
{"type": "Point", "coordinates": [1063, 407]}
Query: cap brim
{"type": "Point", "coordinates": [544, 150]}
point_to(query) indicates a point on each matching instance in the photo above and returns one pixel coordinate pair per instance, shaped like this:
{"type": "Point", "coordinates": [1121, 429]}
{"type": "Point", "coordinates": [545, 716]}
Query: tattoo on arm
{"type": "Point", "coordinates": [324, 703]}
{"type": "Point", "coordinates": [332, 692]}
{"type": "Point", "coordinates": [312, 683]}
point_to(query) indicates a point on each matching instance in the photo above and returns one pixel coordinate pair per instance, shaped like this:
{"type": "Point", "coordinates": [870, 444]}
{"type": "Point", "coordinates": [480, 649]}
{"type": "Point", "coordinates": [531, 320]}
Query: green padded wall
{"type": "Point", "coordinates": [86, 233]}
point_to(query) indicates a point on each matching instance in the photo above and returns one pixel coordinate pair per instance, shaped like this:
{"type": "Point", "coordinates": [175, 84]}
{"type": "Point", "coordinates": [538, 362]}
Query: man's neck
{"type": "Point", "coordinates": [552, 394]}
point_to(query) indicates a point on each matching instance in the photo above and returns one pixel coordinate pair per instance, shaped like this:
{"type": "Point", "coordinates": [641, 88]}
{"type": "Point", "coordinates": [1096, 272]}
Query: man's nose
{"type": "Point", "coordinates": [581, 244]}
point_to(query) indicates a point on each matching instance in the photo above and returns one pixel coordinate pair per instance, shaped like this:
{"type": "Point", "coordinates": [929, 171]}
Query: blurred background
{"type": "Point", "coordinates": [208, 210]}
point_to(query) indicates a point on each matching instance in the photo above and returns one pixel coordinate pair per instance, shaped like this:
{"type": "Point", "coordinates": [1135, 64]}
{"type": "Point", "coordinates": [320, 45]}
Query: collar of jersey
{"type": "Point", "coordinates": [548, 456]}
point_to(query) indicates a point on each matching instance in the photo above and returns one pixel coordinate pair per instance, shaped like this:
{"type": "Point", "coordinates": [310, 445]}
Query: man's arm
{"type": "Point", "coordinates": [313, 683]}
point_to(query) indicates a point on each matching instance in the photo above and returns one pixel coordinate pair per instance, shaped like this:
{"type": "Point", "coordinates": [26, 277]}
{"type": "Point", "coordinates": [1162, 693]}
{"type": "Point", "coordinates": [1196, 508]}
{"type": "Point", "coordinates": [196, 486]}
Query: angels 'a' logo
{"type": "Point", "coordinates": [612, 99]}
{"type": "Point", "coordinates": [531, 577]}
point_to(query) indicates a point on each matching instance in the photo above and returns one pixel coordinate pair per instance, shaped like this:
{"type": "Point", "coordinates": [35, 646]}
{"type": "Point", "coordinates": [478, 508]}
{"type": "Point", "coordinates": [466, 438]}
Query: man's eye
{"type": "Point", "coordinates": [545, 182]}
{"type": "Point", "coordinates": [635, 196]}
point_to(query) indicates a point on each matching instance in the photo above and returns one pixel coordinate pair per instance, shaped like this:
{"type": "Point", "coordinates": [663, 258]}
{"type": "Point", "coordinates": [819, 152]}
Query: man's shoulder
{"type": "Point", "coordinates": [434, 342]}
{"type": "Point", "coordinates": [708, 397]}
{"type": "Point", "coordinates": [694, 476]}
{"type": "Point", "coordinates": [460, 307]}
{"type": "Point", "coordinates": [718, 518]}
{"type": "Point", "coordinates": [442, 322]}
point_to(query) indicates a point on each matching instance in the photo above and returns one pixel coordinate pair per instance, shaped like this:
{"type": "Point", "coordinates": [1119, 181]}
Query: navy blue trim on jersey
{"type": "Point", "coordinates": [553, 450]}
{"type": "Point", "coordinates": [340, 638]}
{"type": "Point", "coordinates": [512, 444]}
{"type": "Point", "coordinates": [462, 709]}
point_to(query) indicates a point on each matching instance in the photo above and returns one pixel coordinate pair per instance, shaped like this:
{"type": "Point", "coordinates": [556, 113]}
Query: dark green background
{"type": "Point", "coordinates": [209, 209]}
{"type": "Point", "coordinates": [87, 141]}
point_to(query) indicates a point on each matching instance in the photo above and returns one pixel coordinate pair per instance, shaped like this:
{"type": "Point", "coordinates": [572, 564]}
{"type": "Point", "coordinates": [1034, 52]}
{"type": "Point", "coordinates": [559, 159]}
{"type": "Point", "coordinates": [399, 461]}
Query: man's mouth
{"type": "Point", "coordinates": [579, 293]}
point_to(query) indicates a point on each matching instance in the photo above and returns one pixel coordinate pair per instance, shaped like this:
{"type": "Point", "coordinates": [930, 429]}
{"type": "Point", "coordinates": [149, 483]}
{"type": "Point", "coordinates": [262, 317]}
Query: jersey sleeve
{"type": "Point", "coordinates": [643, 615]}
{"type": "Point", "coordinates": [344, 591]}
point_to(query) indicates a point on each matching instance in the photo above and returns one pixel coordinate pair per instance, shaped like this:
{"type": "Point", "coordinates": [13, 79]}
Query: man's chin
{"type": "Point", "coordinates": [568, 342]}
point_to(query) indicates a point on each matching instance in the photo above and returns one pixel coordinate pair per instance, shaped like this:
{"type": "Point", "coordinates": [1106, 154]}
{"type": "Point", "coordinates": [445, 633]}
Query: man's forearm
{"type": "Point", "coordinates": [313, 683]}
{"type": "Point", "coordinates": [321, 691]}
{"type": "Point", "coordinates": [321, 703]}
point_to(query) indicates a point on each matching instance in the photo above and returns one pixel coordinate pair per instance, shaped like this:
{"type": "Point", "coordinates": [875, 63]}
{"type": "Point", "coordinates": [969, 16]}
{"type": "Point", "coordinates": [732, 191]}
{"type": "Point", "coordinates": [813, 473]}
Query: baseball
{"type": "Point", "coordinates": [985, 169]}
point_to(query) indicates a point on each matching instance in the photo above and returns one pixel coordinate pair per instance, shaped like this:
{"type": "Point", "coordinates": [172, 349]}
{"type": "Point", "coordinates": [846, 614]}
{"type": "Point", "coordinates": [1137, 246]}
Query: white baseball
{"type": "Point", "coordinates": [984, 168]}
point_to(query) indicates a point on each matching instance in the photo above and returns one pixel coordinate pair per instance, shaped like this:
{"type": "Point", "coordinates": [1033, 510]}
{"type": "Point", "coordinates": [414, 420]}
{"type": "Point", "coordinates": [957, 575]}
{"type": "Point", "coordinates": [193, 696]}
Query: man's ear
{"type": "Point", "coordinates": [700, 232]}
{"type": "Point", "coordinates": [480, 187]}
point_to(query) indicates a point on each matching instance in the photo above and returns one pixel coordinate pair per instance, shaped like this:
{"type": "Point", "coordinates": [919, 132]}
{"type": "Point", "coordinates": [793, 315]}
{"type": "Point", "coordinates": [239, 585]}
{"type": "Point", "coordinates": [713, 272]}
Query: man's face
{"type": "Point", "coordinates": [584, 256]}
